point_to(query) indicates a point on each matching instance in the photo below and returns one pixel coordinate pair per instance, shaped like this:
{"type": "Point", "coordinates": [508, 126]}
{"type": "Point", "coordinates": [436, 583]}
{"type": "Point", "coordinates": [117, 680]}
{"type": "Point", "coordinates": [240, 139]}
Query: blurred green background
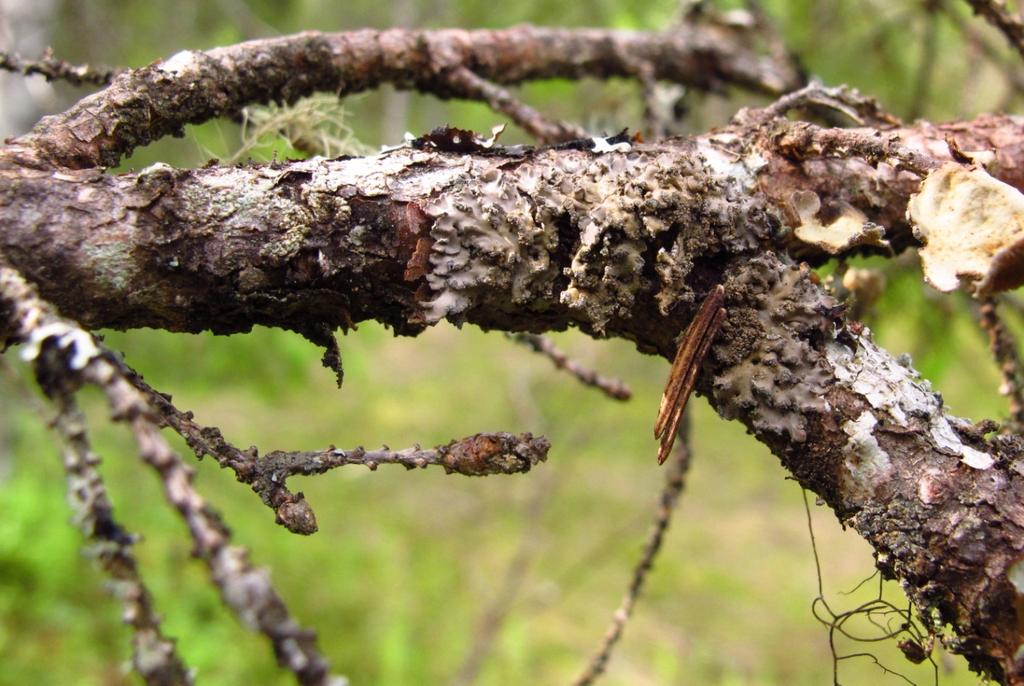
{"type": "Point", "coordinates": [406, 565]}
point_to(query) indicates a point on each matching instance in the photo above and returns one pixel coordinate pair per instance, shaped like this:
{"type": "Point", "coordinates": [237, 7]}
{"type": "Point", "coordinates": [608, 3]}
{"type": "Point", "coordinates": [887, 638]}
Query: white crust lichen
{"type": "Point", "coordinates": [180, 63]}
{"type": "Point", "coordinates": [896, 390]}
{"type": "Point", "coordinates": [972, 226]}
{"type": "Point", "coordinates": [601, 145]}
{"type": "Point", "coordinates": [866, 462]}
{"type": "Point", "coordinates": [80, 343]}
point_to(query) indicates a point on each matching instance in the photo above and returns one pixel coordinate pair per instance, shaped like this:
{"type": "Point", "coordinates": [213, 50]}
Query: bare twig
{"type": "Point", "coordinates": [861, 110]}
{"type": "Point", "coordinates": [57, 70]}
{"type": "Point", "coordinates": [154, 656]}
{"type": "Point", "coordinates": [493, 617]}
{"type": "Point", "coordinates": [613, 388]}
{"type": "Point", "coordinates": [1004, 349]}
{"type": "Point", "coordinates": [995, 13]}
{"type": "Point", "coordinates": [926, 67]}
{"type": "Point", "coordinates": [465, 83]}
{"type": "Point", "coordinates": [67, 356]}
{"type": "Point", "coordinates": [477, 455]}
{"type": "Point", "coordinates": [674, 481]}
{"type": "Point", "coordinates": [1011, 72]}
{"type": "Point", "coordinates": [683, 375]}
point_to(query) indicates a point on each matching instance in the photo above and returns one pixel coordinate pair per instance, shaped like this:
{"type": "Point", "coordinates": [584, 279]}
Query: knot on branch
{"type": "Point", "coordinates": [494, 453]}
{"type": "Point", "coordinates": [296, 515]}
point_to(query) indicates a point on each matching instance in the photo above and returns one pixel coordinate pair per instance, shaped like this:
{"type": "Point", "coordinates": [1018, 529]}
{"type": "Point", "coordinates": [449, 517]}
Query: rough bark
{"type": "Point", "coordinates": [143, 105]}
{"type": "Point", "coordinates": [615, 239]}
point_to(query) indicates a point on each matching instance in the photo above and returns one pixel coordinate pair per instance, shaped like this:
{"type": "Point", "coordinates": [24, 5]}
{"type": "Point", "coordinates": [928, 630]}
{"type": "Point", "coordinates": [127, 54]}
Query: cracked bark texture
{"type": "Point", "coordinates": [192, 86]}
{"type": "Point", "coordinates": [625, 242]}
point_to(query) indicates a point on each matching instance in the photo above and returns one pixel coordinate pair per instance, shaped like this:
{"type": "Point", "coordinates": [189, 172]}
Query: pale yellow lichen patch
{"type": "Point", "coordinates": [851, 228]}
{"type": "Point", "coordinates": [972, 226]}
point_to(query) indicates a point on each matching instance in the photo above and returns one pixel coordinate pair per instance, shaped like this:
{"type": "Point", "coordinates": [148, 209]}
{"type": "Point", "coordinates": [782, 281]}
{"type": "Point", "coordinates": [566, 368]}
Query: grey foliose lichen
{"type": "Point", "coordinates": [622, 211]}
{"type": "Point", "coordinates": [487, 236]}
{"type": "Point", "coordinates": [773, 374]}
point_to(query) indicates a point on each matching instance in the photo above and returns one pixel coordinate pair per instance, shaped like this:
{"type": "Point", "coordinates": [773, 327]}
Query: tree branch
{"type": "Point", "coordinates": [614, 238]}
{"type": "Point", "coordinates": [54, 69]}
{"type": "Point", "coordinates": [67, 356]}
{"type": "Point", "coordinates": [1003, 345]}
{"type": "Point", "coordinates": [145, 104]}
{"type": "Point", "coordinates": [154, 656]}
{"type": "Point", "coordinates": [478, 455]}
{"type": "Point", "coordinates": [995, 13]}
{"type": "Point", "coordinates": [674, 481]}
{"type": "Point", "coordinates": [613, 388]}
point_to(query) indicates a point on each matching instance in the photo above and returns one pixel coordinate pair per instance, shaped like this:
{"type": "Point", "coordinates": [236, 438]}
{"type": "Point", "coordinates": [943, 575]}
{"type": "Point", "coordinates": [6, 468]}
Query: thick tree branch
{"type": "Point", "coordinates": [145, 104]}
{"type": "Point", "coordinates": [328, 243]}
{"type": "Point", "coordinates": [617, 242]}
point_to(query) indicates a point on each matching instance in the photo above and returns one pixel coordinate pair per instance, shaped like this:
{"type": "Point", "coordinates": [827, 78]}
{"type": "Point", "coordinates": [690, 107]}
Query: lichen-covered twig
{"type": "Point", "coordinates": [612, 387]}
{"type": "Point", "coordinates": [683, 375]}
{"type": "Point", "coordinates": [57, 70]}
{"type": "Point", "coordinates": [477, 455]}
{"type": "Point", "coordinates": [67, 356]}
{"type": "Point", "coordinates": [674, 481]}
{"type": "Point", "coordinates": [154, 656]}
{"type": "Point", "coordinates": [1003, 345]}
{"type": "Point", "coordinates": [996, 13]}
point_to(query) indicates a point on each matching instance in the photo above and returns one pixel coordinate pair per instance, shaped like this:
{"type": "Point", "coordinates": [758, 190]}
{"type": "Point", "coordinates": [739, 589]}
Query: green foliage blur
{"type": "Point", "coordinates": [406, 565]}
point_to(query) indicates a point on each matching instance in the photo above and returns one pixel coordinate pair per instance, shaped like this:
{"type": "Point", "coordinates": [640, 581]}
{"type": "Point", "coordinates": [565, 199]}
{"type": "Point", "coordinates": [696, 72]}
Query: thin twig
{"type": "Point", "coordinates": [995, 13]}
{"type": "Point", "coordinates": [1011, 72]}
{"type": "Point", "coordinates": [613, 388]}
{"type": "Point", "coordinates": [481, 454]}
{"type": "Point", "coordinates": [57, 70]}
{"type": "Point", "coordinates": [683, 375]}
{"type": "Point", "coordinates": [66, 356]}
{"type": "Point", "coordinates": [494, 615]}
{"type": "Point", "coordinates": [926, 68]}
{"type": "Point", "coordinates": [1003, 345]}
{"type": "Point", "coordinates": [674, 481]}
{"type": "Point", "coordinates": [467, 84]}
{"type": "Point", "coordinates": [862, 110]}
{"type": "Point", "coordinates": [768, 31]}
{"type": "Point", "coordinates": [154, 656]}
